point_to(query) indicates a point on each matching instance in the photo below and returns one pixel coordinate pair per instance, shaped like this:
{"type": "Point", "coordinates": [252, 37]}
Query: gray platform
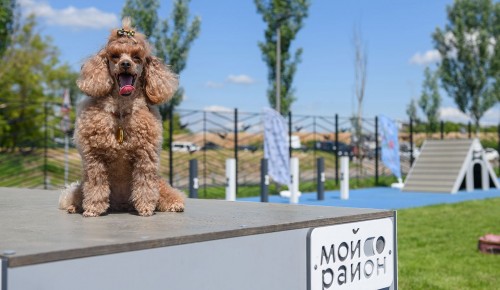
{"type": "Point", "coordinates": [45, 248]}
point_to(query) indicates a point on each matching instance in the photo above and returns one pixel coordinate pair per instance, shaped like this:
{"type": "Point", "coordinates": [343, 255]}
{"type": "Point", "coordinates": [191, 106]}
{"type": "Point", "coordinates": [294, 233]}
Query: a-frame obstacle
{"type": "Point", "coordinates": [448, 166]}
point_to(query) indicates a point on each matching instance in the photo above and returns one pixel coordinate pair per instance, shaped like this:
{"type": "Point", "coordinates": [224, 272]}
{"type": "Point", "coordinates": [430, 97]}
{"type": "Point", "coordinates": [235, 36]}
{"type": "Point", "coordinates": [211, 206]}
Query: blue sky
{"type": "Point", "coordinates": [225, 67]}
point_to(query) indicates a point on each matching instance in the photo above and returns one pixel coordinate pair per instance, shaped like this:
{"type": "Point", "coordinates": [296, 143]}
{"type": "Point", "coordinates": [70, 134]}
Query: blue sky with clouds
{"type": "Point", "coordinates": [225, 67]}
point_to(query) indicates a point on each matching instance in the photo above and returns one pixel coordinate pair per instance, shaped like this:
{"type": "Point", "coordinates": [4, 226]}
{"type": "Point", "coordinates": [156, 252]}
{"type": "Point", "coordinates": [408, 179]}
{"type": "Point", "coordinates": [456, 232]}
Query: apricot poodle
{"type": "Point", "coordinates": [118, 131]}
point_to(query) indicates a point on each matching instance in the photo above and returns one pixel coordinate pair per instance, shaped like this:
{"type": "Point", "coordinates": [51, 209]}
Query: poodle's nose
{"type": "Point", "coordinates": [125, 65]}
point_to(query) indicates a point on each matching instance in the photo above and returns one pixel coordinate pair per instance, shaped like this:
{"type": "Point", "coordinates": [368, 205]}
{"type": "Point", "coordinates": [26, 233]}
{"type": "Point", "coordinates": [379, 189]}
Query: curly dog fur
{"type": "Point", "coordinates": [118, 131]}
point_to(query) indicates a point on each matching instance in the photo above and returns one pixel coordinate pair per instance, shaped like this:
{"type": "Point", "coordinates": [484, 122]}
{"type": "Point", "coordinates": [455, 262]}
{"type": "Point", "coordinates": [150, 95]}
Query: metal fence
{"type": "Point", "coordinates": [36, 149]}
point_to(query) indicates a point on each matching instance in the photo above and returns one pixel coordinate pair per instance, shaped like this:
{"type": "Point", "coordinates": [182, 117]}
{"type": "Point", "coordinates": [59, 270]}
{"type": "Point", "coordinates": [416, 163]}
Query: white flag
{"type": "Point", "coordinates": [276, 148]}
{"type": "Point", "coordinates": [65, 109]}
{"type": "Point", "coordinates": [390, 145]}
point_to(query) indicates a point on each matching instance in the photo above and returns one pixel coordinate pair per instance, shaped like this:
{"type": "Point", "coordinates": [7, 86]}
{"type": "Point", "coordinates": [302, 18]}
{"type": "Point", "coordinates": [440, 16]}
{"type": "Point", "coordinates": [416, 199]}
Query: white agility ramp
{"type": "Point", "coordinates": [448, 166]}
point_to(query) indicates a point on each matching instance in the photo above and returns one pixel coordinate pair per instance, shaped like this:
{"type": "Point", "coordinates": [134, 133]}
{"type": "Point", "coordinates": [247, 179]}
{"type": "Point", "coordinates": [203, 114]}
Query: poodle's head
{"type": "Point", "coordinates": [125, 67]}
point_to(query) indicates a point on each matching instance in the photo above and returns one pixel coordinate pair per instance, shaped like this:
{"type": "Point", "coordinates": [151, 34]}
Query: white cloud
{"type": "Point", "coordinates": [429, 57]}
{"type": "Point", "coordinates": [90, 17]}
{"type": "Point", "coordinates": [453, 115]}
{"type": "Point", "coordinates": [213, 85]}
{"type": "Point", "coordinates": [490, 117]}
{"type": "Point", "coordinates": [472, 40]}
{"type": "Point", "coordinates": [215, 108]}
{"type": "Point", "coordinates": [240, 79]}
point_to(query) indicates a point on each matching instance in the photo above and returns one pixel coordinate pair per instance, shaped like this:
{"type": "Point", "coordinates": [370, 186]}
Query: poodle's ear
{"type": "Point", "coordinates": [94, 79]}
{"type": "Point", "coordinates": [160, 83]}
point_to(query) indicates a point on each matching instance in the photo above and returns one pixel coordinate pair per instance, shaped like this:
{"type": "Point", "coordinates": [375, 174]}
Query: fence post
{"type": "Point", "coordinates": [290, 134]}
{"type": "Point", "coordinates": [170, 149]}
{"type": "Point", "coordinates": [411, 142]}
{"type": "Point", "coordinates": [264, 181]}
{"type": "Point", "coordinates": [193, 178]}
{"type": "Point", "coordinates": [205, 154]}
{"type": "Point", "coordinates": [442, 130]}
{"type": "Point", "coordinates": [294, 190]}
{"type": "Point", "coordinates": [469, 128]}
{"type": "Point", "coordinates": [376, 150]}
{"type": "Point", "coordinates": [236, 149]}
{"type": "Point", "coordinates": [498, 144]}
{"type": "Point", "coordinates": [335, 151]}
{"type": "Point", "coordinates": [231, 179]}
{"type": "Point", "coordinates": [320, 178]}
{"type": "Point", "coordinates": [344, 185]}
{"type": "Point", "coordinates": [46, 145]}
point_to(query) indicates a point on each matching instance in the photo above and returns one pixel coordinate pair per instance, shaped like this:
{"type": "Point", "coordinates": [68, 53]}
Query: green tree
{"type": "Point", "coordinates": [172, 37]}
{"type": "Point", "coordinates": [31, 76]}
{"type": "Point", "coordinates": [469, 47]}
{"type": "Point", "coordinates": [6, 23]}
{"type": "Point", "coordinates": [144, 15]}
{"type": "Point", "coordinates": [285, 17]}
{"type": "Point", "coordinates": [430, 100]}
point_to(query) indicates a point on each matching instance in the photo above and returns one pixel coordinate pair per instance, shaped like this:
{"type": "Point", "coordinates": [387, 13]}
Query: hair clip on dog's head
{"type": "Point", "coordinates": [124, 32]}
{"type": "Point", "coordinates": [128, 33]}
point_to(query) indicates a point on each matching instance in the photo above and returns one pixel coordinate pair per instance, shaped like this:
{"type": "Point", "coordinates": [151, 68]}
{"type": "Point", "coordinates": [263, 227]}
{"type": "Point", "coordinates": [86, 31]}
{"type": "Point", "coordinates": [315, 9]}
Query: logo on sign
{"type": "Point", "coordinates": [352, 256]}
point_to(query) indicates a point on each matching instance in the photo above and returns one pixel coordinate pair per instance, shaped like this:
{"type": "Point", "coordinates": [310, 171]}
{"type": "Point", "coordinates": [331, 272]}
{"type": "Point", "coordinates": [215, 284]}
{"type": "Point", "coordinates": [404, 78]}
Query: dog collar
{"type": "Point", "coordinates": [119, 115]}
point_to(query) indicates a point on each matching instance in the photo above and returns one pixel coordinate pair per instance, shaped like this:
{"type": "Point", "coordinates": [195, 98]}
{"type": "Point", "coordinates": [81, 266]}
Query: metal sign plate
{"type": "Point", "coordinates": [358, 255]}
{"type": "Point", "coordinates": [3, 273]}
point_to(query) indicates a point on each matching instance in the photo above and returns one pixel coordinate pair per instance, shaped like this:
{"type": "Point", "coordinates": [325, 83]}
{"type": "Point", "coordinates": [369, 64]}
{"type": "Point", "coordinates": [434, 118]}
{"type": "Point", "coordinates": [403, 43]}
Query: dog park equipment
{"type": "Point", "coordinates": [448, 166]}
{"type": "Point", "coordinates": [398, 184]}
{"type": "Point", "coordinates": [344, 177]}
{"type": "Point", "coordinates": [321, 178]}
{"type": "Point", "coordinates": [212, 245]}
{"type": "Point", "coordinates": [293, 192]}
{"type": "Point", "coordinates": [231, 179]}
{"type": "Point", "coordinates": [264, 180]}
{"type": "Point", "coordinates": [193, 178]}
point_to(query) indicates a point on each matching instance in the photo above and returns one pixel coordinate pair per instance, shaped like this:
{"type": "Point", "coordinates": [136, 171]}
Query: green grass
{"type": "Point", "coordinates": [17, 170]}
{"type": "Point", "coordinates": [219, 192]}
{"type": "Point", "coordinates": [437, 246]}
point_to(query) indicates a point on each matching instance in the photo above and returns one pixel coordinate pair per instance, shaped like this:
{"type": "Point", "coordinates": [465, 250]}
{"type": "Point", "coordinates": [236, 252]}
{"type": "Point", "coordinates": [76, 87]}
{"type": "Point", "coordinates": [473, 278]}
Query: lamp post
{"type": "Point", "coordinates": [280, 18]}
{"type": "Point", "coordinates": [278, 67]}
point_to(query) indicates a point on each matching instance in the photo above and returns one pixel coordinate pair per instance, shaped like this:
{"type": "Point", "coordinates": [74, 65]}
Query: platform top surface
{"type": "Point", "coordinates": [38, 232]}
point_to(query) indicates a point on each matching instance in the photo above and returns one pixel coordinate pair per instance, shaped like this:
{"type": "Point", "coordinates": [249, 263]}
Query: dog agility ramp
{"type": "Point", "coordinates": [450, 165]}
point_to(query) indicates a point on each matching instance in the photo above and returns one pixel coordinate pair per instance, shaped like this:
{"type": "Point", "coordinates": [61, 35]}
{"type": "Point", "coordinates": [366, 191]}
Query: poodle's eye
{"type": "Point", "coordinates": [136, 58]}
{"type": "Point", "coordinates": [115, 56]}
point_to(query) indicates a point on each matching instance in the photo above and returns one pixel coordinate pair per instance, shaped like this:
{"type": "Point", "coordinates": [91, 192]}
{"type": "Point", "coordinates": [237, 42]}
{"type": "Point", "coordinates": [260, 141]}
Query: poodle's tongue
{"type": "Point", "coordinates": [126, 87]}
{"type": "Point", "coordinates": [126, 90]}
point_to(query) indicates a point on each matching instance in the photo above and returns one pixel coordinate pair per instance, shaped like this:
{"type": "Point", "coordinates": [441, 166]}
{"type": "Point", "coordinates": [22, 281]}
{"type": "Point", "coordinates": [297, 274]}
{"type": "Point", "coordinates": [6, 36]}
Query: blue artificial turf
{"type": "Point", "coordinates": [384, 198]}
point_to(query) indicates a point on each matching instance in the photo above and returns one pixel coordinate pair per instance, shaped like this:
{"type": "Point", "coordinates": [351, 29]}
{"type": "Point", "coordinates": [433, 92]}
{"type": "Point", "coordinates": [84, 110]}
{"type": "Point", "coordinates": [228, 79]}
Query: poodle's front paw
{"type": "Point", "coordinates": [94, 209]}
{"type": "Point", "coordinates": [176, 207]}
{"type": "Point", "coordinates": [171, 205]}
{"type": "Point", "coordinates": [72, 209]}
{"type": "Point", "coordinates": [89, 213]}
{"type": "Point", "coordinates": [145, 213]}
{"type": "Point", "coordinates": [145, 209]}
